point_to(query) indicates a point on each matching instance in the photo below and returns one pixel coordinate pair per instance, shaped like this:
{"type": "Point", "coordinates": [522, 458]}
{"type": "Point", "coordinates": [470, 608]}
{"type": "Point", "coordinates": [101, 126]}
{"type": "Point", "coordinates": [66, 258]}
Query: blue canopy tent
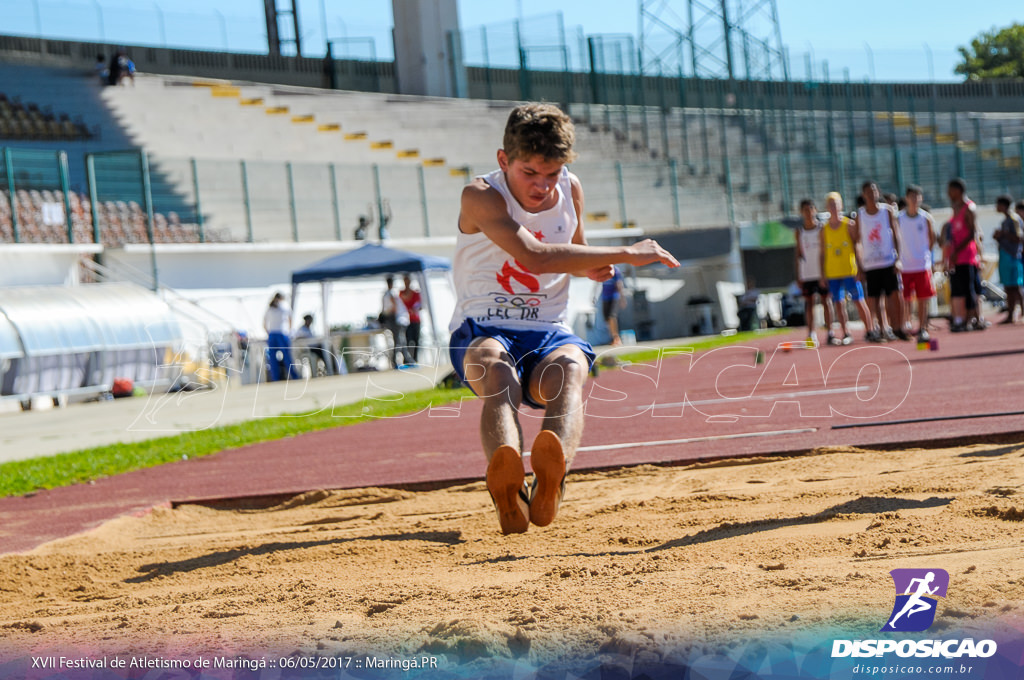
{"type": "Point", "coordinates": [373, 259]}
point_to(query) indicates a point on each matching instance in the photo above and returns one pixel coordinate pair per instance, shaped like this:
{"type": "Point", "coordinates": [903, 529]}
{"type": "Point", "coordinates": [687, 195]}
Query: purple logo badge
{"type": "Point", "coordinates": [917, 593]}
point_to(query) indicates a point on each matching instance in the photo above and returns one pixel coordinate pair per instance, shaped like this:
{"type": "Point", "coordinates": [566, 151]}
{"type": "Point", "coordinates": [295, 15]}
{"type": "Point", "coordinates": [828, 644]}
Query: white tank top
{"type": "Point", "coordinates": [916, 254]}
{"type": "Point", "coordinates": [876, 239]}
{"type": "Point", "coordinates": [493, 289]}
{"type": "Point", "coordinates": [809, 268]}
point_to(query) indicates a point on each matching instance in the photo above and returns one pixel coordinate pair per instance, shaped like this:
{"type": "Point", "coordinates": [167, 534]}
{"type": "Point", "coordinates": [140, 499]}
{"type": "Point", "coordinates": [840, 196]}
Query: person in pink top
{"type": "Point", "coordinates": [961, 255]}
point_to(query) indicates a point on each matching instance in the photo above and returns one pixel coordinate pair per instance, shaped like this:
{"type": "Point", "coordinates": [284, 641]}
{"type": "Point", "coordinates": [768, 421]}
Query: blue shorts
{"type": "Point", "coordinates": [848, 285]}
{"type": "Point", "coordinates": [526, 347]}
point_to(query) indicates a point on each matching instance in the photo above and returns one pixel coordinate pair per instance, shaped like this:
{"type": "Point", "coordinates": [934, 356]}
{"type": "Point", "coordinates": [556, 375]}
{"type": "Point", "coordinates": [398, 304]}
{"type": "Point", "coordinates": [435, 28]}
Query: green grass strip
{"type": "Point", "coordinates": [25, 476]}
{"type": "Point", "coordinates": [645, 355]}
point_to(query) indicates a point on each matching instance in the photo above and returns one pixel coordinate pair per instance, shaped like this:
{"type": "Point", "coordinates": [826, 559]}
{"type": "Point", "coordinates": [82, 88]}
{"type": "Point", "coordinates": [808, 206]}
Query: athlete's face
{"type": "Point", "coordinates": [913, 201]}
{"type": "Point", "coordinates": [533, 181]}
{"type": "Point", "coordinates": [834, 208]}
{"type": "Point", "coordinates": [808, 212]}
{"type": "Point", "coordinates": [870, 194]}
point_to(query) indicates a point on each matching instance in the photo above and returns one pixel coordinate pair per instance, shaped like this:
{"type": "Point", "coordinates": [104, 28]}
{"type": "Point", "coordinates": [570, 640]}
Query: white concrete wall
{"type": "Point", "coordinates": [422, 58]}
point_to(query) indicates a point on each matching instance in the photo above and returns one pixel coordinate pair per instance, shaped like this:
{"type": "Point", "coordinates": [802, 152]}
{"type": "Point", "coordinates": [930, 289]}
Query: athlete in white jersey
{"type": "Point", "coordinates": [879, 247]}
{"type": "Point", "coordinates": [808, 271]}
{"type": "Point", "coordinates": [520, 237]}
{"type": "Point", "coordinates": [917, 234]}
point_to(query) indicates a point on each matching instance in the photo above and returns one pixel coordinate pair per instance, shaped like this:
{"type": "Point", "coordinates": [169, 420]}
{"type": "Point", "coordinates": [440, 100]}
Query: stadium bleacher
{"type": "Point", "coordinates": [21, 121]}
{"type": "Point", "coordinates": [269, 163]}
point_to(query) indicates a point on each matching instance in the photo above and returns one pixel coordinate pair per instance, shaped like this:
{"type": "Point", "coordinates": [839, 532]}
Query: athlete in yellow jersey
{"type": "Point", "coordinates": [840, 267]}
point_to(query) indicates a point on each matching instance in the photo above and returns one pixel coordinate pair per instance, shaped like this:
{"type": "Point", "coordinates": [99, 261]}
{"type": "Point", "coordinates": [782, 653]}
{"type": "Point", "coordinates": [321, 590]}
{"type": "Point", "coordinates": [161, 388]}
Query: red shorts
{"type": "Point", "coordinates": [917, 283]}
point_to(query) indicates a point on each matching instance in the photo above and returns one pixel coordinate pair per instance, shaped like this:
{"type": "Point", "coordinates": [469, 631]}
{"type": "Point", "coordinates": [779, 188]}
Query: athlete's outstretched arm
{"type": "Point", "coordinates": [599, 274]}
{"type": "Point", "coordinates": [484, 211]}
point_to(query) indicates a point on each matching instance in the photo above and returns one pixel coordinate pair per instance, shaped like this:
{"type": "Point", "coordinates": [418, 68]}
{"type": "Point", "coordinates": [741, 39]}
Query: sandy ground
{"type": "Point", "coordinates": [640, 560]}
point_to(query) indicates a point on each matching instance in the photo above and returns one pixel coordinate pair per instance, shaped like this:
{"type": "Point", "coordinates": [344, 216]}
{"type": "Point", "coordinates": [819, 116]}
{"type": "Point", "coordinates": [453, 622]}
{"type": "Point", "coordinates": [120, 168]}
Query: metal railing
{"type": "Point", "coordinates": [680, 168]}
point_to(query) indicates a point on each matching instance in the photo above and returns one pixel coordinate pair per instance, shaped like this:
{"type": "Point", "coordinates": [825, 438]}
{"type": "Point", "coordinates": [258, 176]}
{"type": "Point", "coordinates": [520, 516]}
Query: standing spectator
{"type": "Point", "coordinates": [917, 234]}
{"type": "Point", "coordinates": [395, 318]}
{"type": "Point", "coordinates": [1010, 236]}
{"type": "Point", "coordinates": [360, 232]}
{"type": "Point", "coordinates": [840, 265]}
{"type": "Point", "coordinates": [100, 68]}
{"type": "Point", "coordinates": [879, 245]}
{"type": "Point", "coordinates": [126, 68]}
{"type": "Point", "coordinates": [114, 72]}
{"type": "Point", "coordinates": [750, 320]}
{"type": "Point", "coordinates": [278, 323]}
{"type": "Point", "coordinates": [613, 295]}
{"type": "Point", "coordinates": [305, 332]}
{"type": "Point", "coordinates": [960, 252]}
{"type": "Point", "coordinates": [808, 271]}
{"type": "Point", "coordinates": [413, 304]}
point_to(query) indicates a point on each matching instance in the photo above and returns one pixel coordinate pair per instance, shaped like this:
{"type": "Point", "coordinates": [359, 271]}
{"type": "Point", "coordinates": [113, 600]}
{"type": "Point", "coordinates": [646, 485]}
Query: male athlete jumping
{"type": "Point", "coordinates": [520, 237]}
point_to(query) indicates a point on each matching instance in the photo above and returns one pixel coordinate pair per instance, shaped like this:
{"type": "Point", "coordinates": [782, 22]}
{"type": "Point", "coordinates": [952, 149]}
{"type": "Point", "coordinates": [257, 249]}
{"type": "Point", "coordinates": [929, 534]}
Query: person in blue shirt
{"type": "Point", "coordinates": [612, 298]}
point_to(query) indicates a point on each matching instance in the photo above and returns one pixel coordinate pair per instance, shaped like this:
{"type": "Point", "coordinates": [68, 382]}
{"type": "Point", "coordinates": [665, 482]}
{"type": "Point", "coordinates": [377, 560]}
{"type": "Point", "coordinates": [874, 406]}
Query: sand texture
{"type": "Point", "coordinates": [640, 560]}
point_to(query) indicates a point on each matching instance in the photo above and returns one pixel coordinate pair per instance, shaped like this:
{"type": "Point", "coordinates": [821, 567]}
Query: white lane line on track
{"type": "Point", "coordinates": [692, 440]}
{"type": "Point", "coordinates": [760, 397]}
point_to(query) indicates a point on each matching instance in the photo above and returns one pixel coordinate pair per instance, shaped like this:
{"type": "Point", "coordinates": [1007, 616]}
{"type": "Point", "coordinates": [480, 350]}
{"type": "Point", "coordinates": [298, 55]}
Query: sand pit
{"type": "Point", "coordinates": [640, 560]}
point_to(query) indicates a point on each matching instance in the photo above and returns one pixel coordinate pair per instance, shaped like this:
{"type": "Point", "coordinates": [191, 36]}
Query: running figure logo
{"type": "Point", "coordinates": [917, 591]}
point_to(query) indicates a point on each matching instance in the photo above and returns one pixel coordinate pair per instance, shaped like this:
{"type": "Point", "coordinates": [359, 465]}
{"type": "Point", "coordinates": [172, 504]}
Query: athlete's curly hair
{"type": "Point", "coordinates": [539, 130]}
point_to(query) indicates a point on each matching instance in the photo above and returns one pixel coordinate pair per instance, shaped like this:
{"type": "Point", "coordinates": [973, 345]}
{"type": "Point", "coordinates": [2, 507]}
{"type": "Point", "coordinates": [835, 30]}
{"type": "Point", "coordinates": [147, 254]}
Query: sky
{"type": "Point", "coordinates": [869, 39]}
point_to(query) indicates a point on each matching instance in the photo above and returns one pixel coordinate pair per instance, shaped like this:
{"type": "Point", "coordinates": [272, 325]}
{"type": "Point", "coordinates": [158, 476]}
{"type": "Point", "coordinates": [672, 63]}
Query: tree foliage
{"type": "Point", "coordinates": [994, 54]}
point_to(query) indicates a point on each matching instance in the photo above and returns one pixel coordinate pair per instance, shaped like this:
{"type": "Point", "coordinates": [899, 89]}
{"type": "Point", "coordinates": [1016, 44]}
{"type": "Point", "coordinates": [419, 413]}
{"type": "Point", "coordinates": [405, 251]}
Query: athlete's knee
{"type": "Point", "coordinates": [562, 377]}
{"type": "Point", "coordinates": [490, 377]}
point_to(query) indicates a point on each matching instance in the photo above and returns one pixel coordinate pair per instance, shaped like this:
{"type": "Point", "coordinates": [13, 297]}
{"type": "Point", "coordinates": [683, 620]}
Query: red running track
{"type": "Point", "coordinates": [675, 410]}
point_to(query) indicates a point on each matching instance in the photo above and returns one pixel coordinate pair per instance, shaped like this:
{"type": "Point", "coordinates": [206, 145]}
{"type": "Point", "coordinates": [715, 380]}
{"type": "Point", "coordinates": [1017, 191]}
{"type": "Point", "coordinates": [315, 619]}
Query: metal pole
{"type": "Point", "coordinates": [161, 23]}
{"type": "Point", "coordinates": [147, 197]}
{"type": "Point", "coordinates": [99, 19]}
{"type": "Point", "coordinates": [622, 194]}
{"type": "Point", "coordinates": [90, 176]}
{"type": "Point", "coordinates": [935, 144]}
{"type": "Point", "coordinates": [487, 62]}
{"type": "Point", "coordinates": [673, 173]}
{"type": "Point", "coordinates": [199, 209]}
{"type": "Point", "coordinates": [728, 191]}
{"type": "Point", "coordinates": [423, 201]}
{"type": "Point", "coordinates": [787, 199]}
{"type": "Point", "coordinates": [9, 169]}
{"type": "Point", "coordinates": [62, 163]}
{"type": "Point", "coordinates": [323, 19]}
{"type": "Point", "coordinates": [978, 161]}
{"type": "Point", "coordinates": [334, 201]}
{"type": "Point", "coordinates": [871, 129]}
{"type": "Point", "coordinates": [1022, 165]}
{"type": "Point", "coordinates": [223, 28]}
{"type": "Point", "coordinates": [727, 28]}
{"type": "Point", "coordinates": [897, 159]}
{"type": "Point", "coordinates": [380, 200]}
{"type": "Point", "coordinates": [245, 201]}
{"type": "Point", "coordinates": [960, 172]}
{"type": "Point", "coordinates": [914, 160]}
{"type": "Point", "coordinates": [642, 101]}
{"type": "Point", "coordinates": [524, 78]}
{"type": "Point", "coordinates": [39, 19]}
{"type": "Point", "coordinates": [704, 127]}
{"type": "Point", "coordinates": [663, 112]}
{"type": "Point", "coordinates": [289, 175]}
{"type": "Point", "coordinates": [1004, 172]}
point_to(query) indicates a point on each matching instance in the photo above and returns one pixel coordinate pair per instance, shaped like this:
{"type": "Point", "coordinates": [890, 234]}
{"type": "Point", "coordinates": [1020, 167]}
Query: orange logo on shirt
{"type": "Point", "coordinates": [521, 275]}
{"type": "Point", "coordinates": [508, 272]}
